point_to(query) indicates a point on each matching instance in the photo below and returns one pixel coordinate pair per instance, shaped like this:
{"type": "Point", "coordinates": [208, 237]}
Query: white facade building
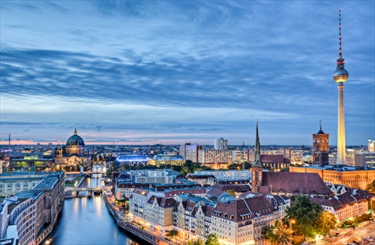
{"type": "Point", "coordinates": [227, 174]}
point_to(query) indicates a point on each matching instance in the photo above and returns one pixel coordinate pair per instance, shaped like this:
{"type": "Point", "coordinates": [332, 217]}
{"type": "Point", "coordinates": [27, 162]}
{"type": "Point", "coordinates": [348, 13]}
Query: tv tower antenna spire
{"type": "Point", "coordinates": [340, 51]}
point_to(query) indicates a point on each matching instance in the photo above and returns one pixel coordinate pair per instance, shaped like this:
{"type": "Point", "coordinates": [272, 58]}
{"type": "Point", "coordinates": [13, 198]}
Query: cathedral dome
{"type": "Point", "coordinates": [75, 140]}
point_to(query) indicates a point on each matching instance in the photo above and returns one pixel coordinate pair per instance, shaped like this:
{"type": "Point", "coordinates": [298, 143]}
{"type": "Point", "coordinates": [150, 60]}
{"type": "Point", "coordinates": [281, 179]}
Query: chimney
{"type": "Point", "coordinates": [284, 152]}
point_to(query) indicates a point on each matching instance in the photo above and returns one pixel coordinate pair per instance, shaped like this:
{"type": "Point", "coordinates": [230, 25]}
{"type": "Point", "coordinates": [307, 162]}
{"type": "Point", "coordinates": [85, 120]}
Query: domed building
{"type": "Point", "coordinates": [75, 145]}
{"type": "Point", "coordinates": [73, 153]}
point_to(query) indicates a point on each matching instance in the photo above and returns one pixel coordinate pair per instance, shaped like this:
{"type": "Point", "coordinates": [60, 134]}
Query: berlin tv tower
{"type": "Point", "coordinates": [340, 76]}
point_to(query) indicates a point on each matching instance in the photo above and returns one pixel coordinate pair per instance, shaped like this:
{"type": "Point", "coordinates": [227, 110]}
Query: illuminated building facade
{"type": "Point", "coordinates": [354, 177]}
{"type": "Point", "coordinates": [167, 160]}
{"type": "Point", "coordinates": [340, 76]}
{"type": "Point", "coordinates": [215, 156]}
{"type": "Point", "coordinates": [371, 146]}
{"type": "Point", "coordinates": [133, 160]}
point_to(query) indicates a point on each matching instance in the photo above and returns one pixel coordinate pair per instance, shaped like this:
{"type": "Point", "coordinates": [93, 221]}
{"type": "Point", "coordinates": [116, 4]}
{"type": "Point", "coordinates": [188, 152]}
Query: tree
{"type": "Point", "coordinates": [310, 219]}
{"type": "Point", "coordinates": [371, 187]}
{"type": "Point", "coordinates": [173, 233]}
{"type": "Point", "coordinates": [231, 192]}
{"type": "Point", "coordinates": [276, 234]}
{"type": "Point", "coordinates": [285, 169]}
{"type": "Point", "coordinates": [326, 222]}
{"type": "Point", "coordinates": [212, 240]}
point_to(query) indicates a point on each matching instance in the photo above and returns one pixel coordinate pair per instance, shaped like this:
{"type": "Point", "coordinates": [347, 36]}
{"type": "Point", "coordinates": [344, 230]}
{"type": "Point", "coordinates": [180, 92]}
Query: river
{"type": "Point", "coordinates": [86, 220]}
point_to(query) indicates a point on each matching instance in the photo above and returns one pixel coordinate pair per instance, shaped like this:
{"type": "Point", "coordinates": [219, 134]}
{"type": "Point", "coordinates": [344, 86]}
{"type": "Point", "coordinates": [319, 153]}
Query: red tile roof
{"type": "Point", "coordinates": [274, 159]}
{"type": "Point", "coordinates": [243, 209]}
{"type": "Point", "coordinates": [288, 182]}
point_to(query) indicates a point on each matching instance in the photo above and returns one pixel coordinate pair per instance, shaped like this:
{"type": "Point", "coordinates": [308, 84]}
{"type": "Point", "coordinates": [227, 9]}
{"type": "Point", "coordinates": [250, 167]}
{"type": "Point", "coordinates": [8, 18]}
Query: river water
{"type": "Point", "coordinates": [85, 220]}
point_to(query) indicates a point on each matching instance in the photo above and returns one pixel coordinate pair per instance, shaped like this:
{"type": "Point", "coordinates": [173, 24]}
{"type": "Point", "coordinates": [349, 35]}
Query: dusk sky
{"type": "Point", "coordinates": [140, 72]}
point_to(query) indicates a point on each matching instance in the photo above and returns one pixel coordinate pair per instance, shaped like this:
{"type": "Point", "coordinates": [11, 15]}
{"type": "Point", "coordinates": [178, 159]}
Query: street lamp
{"type": "Point", "coordinates": [290, 226]}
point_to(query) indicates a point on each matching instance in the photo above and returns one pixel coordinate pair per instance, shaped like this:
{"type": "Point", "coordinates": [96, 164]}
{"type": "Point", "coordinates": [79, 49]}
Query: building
{"type": "Point", "coordinates": [202, 179]}
{"type": "Point", "coordinates": [371, 146]}
{"type": "Point", "coordinates": [227, 174]}
{"type": "Point", "coordinates": [340, 76]}
{"type": "Point", "coordinates": [14, 182]}
{"type": "Point", "coordinates": [215, 156]}
{"type": "Point", "coordinates": [33, 213]}
{"type": "Point", "coordinates": [73, 153]}
{"type": "Point", "coordinates": [321, 148]}
{"type": "Point", "coordinates": [284, 183]}
{"type": "Point", "coordinates": [190, 152]}
{"type": "Point", "coordinates": [221, 144]}
{"type": "Point", "coordinates": [242, 221]}
{"type": "Point", "coordinates": [365, 159]}
{"type": "Point", "coordinates": [133, 160]}
{"type": "Point", "coordinates": [241, 155]}
{"type": "Point", "coordinates": [159, 160]}
{"type": "Point", "coordinates": [354, 177]}
{"type": "Point", "coordinates": [346, 206]}
{"type": "Point", "coordinates": [160, 214]}
{"type": "Point", "coordinates": [31, 162]}
{"type": "Point", "coordinates": [275, 161]}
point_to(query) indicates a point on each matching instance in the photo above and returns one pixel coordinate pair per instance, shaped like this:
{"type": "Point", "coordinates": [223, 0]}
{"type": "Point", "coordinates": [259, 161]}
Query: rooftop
{"type": "Point", "coordinates": [47, 183]}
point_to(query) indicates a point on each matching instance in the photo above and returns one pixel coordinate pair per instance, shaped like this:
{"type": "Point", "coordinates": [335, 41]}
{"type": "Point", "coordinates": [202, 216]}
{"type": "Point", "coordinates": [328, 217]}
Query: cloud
{"type": "Point", "coordinates": [200, 68]}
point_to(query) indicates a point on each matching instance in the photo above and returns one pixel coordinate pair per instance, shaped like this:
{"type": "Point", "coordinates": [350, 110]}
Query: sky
{"type": "Point", "coordinates": [172, 72]}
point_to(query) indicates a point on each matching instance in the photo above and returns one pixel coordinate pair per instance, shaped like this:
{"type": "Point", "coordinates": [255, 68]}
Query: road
{"type": "Point", "coordinates": [363, 232]}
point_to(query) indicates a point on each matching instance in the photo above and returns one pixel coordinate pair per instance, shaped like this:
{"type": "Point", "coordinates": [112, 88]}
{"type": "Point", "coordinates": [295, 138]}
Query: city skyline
{"type": "Point", "coordinates": [171, 73]}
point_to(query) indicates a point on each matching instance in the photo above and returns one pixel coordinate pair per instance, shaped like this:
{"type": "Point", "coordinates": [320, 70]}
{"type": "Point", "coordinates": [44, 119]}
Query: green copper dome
{"type": "Point", "coordinates": [75, 140]}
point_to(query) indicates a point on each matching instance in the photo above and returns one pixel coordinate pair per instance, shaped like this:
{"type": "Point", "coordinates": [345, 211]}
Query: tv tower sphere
{"type": "Point", "coordinates": [340, 75]}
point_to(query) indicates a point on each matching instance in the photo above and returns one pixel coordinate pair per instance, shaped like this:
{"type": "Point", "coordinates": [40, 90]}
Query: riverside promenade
{"type": "Point", "coordinates": [129, 226]}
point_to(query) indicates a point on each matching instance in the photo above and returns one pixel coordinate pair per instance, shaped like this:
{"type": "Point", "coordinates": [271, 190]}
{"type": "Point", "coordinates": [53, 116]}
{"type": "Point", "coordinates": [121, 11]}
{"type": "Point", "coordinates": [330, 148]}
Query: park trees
{"type": "Point", "coordinates": [277, 233]}
{"type": "Point", "coordinates": [310, 218]}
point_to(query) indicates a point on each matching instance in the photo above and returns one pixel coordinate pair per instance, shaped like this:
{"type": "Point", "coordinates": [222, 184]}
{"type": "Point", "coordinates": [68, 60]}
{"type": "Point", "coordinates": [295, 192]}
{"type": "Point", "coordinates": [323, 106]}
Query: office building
{"type": "Point", "coordinates": [221, 144]}
{"type": "Point", "coordinates": [190, 152]}
{"type": "Point", "coordinates": [215, 156]}
{"type": "Point", "coordinates": [365, 159]}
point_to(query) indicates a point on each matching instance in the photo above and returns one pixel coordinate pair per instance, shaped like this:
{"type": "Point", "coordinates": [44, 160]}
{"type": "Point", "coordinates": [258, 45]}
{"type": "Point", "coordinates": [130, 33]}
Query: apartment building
{"type": "Point", "coordinates": [346, 206]}
{"type": "Point", "coordinates": [160, 213]}
{"type": "Point", "coordinates": [242, 221]}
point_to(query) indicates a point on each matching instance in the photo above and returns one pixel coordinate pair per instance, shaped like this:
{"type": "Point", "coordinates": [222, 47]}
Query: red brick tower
{"type": "Point", "coordinates": [321, 148]}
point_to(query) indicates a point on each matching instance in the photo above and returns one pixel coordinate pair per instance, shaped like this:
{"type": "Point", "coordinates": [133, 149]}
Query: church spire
{"type": "Point", "coordinates": [257, 157]}
{"type": "Point", "coordinates": [75, 131]}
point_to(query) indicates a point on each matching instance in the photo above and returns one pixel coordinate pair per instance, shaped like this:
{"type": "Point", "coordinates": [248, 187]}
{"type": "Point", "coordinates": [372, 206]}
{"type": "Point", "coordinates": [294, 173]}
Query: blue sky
{"type": "Point", "coordinates": [184, 71]}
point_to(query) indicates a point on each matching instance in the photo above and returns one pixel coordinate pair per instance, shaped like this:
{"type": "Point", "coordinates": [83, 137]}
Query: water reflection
{"type": "Point", "coordinates": [87, 221]}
